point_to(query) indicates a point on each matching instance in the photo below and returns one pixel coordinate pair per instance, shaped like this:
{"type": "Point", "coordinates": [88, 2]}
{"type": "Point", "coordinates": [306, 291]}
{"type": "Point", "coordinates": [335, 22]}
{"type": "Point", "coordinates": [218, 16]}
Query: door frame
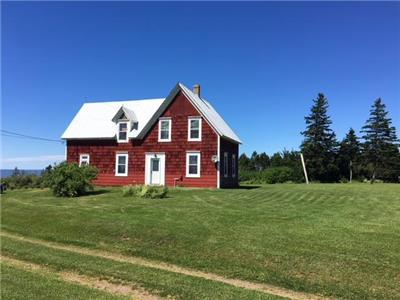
{"type": "Point", "coordinates": [147, 173]}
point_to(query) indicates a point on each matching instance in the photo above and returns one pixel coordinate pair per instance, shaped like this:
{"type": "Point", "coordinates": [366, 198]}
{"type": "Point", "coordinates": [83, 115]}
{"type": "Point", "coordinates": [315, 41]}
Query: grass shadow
{"type": "Point", "coordinates": [248, 187]}
{"type": "Point", "coordinates": [96, 192]}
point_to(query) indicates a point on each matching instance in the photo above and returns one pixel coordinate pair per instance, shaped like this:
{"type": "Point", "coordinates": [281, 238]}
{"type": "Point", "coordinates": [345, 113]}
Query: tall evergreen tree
{"type": "Point", "coordinates": [349, 155]}
{"type": "Point", "coordinates": [319, 145]}
{"type": "Point", "coordinates": [255, 161]}
{"type": "Point", "coordinates": [276, 160]}
{"type": "Point", "coordinates": [244, 163]}
{"type": "Point", "coordinates": [264, 160]}
{"type": "Point", "coordinates": [380, 147]}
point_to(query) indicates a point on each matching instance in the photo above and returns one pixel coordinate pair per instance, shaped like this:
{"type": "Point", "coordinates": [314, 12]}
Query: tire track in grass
{"type": "Point", "coordinates": [71, 277]}
{"type": "Point", "coordinates": [260, 287]}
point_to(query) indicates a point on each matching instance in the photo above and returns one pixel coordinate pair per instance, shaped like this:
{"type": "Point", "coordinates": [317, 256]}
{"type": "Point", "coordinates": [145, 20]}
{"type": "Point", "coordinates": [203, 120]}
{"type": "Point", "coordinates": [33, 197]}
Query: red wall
{"type": "Point", "coordinates": [102, 152]}
{"type": "Point", "coordinates": [230, 148]}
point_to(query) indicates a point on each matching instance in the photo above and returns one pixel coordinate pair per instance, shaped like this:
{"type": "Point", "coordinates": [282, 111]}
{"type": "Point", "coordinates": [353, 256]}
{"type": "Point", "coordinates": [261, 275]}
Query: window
{"type": "Point", "coordinates": [233, 165]}
{"type": "Point", "coordinates": [225, 164]}
{"type": "Point", "coordinates": [193, 164]}
{"type": "Point", "coordinates": [164, 130]}
{"type": "Point", "coordinates": [194, 129]}
{"type": "Point", "coordinates": [122, 132]}
{"type": "Point", "coordinates": [84, 159]}
{"type": "Point", "coordinates": [121, 164]}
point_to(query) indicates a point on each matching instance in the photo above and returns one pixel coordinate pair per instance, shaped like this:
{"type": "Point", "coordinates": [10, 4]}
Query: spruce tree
{"type": "Point", "coordinates": [244, 163]}
{"type": "Point", "coordinates": [349, 155]}
{"type": "Point", "coordinates": [255, 163]}
{"type": "Point", "coordinates": [264, 160]}
{"type": "Point", "coordinates": [319, 145]}
{"type": "Point", "coordinates": [276, 160]}
{"type": "Point", "coordinates": [380, 147]}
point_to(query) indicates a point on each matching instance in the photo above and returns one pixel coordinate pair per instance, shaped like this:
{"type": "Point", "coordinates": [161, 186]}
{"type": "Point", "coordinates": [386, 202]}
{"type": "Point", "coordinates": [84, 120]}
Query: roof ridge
{"type": "Point", "coordinates": [126, 100]}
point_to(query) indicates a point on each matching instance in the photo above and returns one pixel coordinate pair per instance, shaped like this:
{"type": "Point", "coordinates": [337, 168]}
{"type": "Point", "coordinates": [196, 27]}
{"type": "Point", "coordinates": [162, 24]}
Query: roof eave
{"type": "Point", "coordinates": [239, 142]}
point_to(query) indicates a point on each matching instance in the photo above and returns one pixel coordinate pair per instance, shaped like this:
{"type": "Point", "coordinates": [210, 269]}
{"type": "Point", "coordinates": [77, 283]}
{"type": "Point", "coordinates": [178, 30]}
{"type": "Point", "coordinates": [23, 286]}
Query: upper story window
{"type": "Point", "coordinates": [121, 164]}
{"type": "Point", "coordinates": [84, 159]}
{"type": "Point", "coordinates": [123, 129]}
{"type": "Point", "coordinates": [225, 164]}
{"type": "Point", "coordinates": [193, 164]}
{"type": "Point", "coordinates": [164, 130]}
{"type": "Point", "coordinates": [233, 165]}
{"type": "Point", "coordinates": [194, 129]}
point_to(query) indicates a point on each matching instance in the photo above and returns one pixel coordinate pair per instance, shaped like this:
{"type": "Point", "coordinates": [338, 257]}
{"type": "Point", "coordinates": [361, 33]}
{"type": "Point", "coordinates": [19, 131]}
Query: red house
{"type": "Point", "coordinates": [177, 141]}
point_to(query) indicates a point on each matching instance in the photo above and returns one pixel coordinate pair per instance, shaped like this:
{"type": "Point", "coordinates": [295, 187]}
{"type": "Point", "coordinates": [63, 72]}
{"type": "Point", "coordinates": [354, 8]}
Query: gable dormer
{"type": "Point", "coordinates": [126, 121]}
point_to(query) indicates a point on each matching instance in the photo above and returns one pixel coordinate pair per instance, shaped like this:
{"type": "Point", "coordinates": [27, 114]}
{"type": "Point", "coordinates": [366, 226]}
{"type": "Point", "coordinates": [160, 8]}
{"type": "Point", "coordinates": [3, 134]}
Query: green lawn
{"type": "Point", "coordinates": [22, 284]}
{"type": "Point", "coordinates": [337, 240]}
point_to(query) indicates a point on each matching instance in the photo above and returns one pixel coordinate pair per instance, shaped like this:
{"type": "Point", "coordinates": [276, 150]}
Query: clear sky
{"type": "Point", "coordinates": [260, 64]}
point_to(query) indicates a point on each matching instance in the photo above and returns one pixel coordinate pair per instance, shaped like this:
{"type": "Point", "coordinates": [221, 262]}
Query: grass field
{"type": "Point", "coordinates": [341, 241]}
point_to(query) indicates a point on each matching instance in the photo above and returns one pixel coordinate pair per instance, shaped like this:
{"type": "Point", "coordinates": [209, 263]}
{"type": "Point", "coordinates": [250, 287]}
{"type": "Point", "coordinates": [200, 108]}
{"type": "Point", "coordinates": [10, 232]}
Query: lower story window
{"type": "Point", "coordinates": [121, 164]}
{"type": "Point", "coordinates": [84, 159]}
{"type": "Point", "coordinates": [193, 164]}
{"type": "Point", "coordinates": [225, 164]}
{"type": "Point", "coordinates": [233, 165]}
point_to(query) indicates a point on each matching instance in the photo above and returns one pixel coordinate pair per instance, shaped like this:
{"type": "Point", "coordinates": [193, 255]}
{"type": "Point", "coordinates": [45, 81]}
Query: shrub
{"type": "Point", "coordinates": [145, 191]}
{"type": "Point", "coordinates": [270, 175]}
{"type": "Point", "coordinates": [70, 180]}
{"type": "Point", "coordinates": [19, 181]}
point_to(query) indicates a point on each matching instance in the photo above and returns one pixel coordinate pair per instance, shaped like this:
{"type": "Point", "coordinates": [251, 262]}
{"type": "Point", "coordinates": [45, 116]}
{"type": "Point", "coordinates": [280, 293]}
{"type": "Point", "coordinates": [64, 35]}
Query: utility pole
{"type": "Point", "coordinates": [351, 170]}
{"type": "Point", "coordinates": [304, 167]}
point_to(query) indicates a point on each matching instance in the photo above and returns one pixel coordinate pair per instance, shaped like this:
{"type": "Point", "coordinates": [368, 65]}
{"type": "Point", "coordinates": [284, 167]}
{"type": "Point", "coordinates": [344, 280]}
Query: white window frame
{"type": "Point", "coordinates": [127, 132]}
{"type": "Point", "coordinates": [189, 129]}
{"type": "Point", "coordinates": [169, 127]}
{"type": "Point", "coordinates": [126, 164]}
{"type": "Point", "coordinates": [225, 164]}
{"type": "Point", "coordinates": [191, 153]}
{"type": "Point", "coordinates": [233, 165]}
{"type": "Point", "coordinates": [81, 159]}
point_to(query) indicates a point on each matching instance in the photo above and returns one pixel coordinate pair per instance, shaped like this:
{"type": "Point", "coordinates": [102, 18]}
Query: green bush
{"type": "Point", "coordinates": [270, 175]}
{"type": "Point", "coordinates": [22, 181]}
{"type": "Point", "coordinates": [145, 191]}
{"type": "Point", "coordinates": [70, 180]}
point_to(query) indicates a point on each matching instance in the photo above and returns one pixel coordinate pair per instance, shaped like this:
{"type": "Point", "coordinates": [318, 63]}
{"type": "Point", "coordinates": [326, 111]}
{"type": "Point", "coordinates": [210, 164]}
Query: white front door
{"type": "Point", "coordinates": [155, 169]}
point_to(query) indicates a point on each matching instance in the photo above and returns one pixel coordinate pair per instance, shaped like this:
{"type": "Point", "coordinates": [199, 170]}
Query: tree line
{"type": "Point", "coordinates": [372, 155]}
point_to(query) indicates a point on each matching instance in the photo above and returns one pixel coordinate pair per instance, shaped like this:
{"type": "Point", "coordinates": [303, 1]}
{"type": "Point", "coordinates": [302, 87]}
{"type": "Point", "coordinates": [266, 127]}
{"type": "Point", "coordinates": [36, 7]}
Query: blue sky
{"type": "Point", "coordinates": [259, 63]}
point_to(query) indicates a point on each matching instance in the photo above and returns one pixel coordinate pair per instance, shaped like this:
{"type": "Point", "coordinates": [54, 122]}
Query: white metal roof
{"type": "Point", "coordinates": [95, 120]}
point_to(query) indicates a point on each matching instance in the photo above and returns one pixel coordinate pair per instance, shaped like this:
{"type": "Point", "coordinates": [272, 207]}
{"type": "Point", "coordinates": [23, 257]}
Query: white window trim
{"type": "Point", "coordinates": [127, 132]}
{"type": "Point", "coordinates": [200, 125]}
{"type": "Point", "coordinates": [159, 129]}
{"type": "Point", "coordinates": [126, 164]}
{"type": "Point", "coordinates": [225, 164]}
{"type": "Point", "coordinates": [234, 165]}
{"type": "Point", "coordinates": [81, 158]}
{"type": "Point", "coordinates": [197, 153]}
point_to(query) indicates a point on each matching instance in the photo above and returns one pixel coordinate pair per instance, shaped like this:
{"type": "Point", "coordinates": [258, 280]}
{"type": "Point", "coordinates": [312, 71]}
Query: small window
{"type": "Point", "coordinates": [122, 132]}
{"type": "Point", "coordinates": [121, 165]}
{"type": "Point", "coordinates": [193, 164]}
{"type": "Point", "coordinates": [164, 130]}
{"type": "Point", "coordinates": [194, 129]}
{"type": "Point", "coordinates": [233, 165]}
{"type": "Point", "coordinates": [225, 164]}
{"type": "Point", "coordinates": [84, 159]}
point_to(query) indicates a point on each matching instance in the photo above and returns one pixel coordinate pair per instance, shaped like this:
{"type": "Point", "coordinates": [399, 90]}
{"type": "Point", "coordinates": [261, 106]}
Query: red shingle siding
{"type": "Point", "coordinates": [231, 149]}
{"type": "Point", "coordinates": [102, 152]}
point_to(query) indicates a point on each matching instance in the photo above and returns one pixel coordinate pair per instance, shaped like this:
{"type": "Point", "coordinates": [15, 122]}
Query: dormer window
{"type": "Point", "coordinates": [126, 121]}
{"type": "Point", "coordinates": [164, 130]}
{"type": "Point", "coordinates": [123, 129]}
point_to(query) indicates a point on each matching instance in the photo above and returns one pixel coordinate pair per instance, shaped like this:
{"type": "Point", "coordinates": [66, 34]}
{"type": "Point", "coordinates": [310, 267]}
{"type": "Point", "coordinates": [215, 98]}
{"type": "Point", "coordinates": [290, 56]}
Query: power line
{"type": "Point", "coordinates": [25, 136]}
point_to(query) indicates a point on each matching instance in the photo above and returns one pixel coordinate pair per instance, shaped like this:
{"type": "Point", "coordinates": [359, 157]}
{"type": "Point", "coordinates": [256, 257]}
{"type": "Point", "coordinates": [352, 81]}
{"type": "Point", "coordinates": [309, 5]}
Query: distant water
{"type": "Point", "coordinates": [8, 172]}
